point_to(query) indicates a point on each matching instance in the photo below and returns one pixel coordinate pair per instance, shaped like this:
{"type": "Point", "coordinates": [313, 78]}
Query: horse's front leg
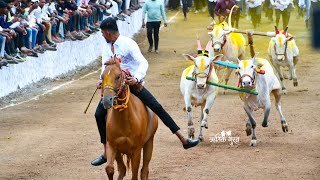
{"type": "Point", "coordinates": [135, 162]}
{"type": "Point", "coordinates": [253, 126]}
{"type": "Point", "coordinates": [111, 154]}
{"type": "Point", "coordinates": [205, 112]}
{"type": "Point", "coordinates": [188, 104]}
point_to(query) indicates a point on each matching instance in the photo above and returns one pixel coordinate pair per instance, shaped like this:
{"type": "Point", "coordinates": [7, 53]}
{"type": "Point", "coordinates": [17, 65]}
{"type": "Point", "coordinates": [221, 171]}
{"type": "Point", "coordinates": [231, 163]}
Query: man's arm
{"type": "Point", "coordinates": [143, 63]}
{"type": "Point", "coordinates": [144, 11]}
{"type": "Point", "coordinates": [163, 14]}
{"type": "Point", "coordinates": [217, 8]}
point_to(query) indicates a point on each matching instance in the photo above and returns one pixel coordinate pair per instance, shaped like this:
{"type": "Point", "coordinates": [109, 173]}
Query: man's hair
{"type": "Point", "coordinates": [109, 24]}
{"type": "Point", "coordinates": [3, 4]}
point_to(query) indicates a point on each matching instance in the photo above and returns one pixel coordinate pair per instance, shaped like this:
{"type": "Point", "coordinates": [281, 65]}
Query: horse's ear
{"type": "Point", "coordinates": [188, 57]}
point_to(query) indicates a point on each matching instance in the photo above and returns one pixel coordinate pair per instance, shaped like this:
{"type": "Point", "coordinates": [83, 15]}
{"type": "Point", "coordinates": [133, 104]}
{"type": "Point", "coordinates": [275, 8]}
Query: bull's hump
{"type": "Point", "coordinates": [237, 39]}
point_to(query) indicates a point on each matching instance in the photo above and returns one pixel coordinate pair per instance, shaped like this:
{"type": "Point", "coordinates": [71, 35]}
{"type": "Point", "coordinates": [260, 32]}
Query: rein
{"type": "Point", "coordinates": [253, 79]}
{"type": "Point", "coordinates": [118, 91]}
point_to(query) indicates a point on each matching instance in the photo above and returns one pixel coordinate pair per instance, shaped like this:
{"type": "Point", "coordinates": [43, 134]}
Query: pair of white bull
{"type": "Point", "coordinates": [198, 93]}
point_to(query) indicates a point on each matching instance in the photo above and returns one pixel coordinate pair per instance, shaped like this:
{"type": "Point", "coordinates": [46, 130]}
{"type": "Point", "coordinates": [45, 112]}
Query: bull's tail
{"type": "Point", "coordinates": [230, 14]}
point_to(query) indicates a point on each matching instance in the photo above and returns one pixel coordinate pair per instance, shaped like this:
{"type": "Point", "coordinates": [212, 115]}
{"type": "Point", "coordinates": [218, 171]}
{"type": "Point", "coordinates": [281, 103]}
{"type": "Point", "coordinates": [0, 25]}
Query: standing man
{"type": "Point", "coordinates": [255, 11]}
{"type": "Point", "coordinates": [282, 7]}
{"type": "Point", "coordinates": [132, 60]}
{"type": "Point", "coordinates": [154, 9]}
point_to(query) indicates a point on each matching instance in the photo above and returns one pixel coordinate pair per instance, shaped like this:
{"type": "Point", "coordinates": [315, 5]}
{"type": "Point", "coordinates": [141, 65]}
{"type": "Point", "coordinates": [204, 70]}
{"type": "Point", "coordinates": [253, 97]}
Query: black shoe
{"type": "Point", "coordinates": [99, 161]}
{"type": "Point", "coordinates": [191, 143]}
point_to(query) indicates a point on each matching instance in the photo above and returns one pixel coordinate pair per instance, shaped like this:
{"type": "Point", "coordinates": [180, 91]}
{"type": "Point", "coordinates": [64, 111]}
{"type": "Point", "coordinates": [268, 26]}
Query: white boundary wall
{"type": "Point", "coordinates": [69, 56]}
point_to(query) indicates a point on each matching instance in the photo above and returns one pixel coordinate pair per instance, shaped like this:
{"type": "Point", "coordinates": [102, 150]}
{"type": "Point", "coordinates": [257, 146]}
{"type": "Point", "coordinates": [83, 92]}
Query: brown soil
{"type": "Point", "coordinates": [51, 137]}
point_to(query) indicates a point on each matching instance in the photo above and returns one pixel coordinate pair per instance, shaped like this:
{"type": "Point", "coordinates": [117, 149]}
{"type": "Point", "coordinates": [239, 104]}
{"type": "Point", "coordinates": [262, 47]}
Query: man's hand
{"type": "Point", "coordinates": [99, 84]}
{"type": "Point", "coordinates": [165, 24]}
{"type": "Point", "coordinates": [143, 24]}
{"type": "Point", "coordinates": [228, 11]}
{"type": "Point", "coordinates": [131, 80]}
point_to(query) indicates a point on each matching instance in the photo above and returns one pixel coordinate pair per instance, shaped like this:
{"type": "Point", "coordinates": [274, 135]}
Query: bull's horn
{"type": "Point", "coordinates": [199, 45]}
{"type": "Point", "coordinates": [208, 45]}
{"type": "Point", "coordinates": [276, 29]}
{"type": "Point", "coordinates": [213, 22]}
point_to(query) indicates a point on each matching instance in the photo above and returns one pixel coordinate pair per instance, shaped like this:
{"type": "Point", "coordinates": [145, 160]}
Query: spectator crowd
{"type": "Point", "coordinates": [31, 27]}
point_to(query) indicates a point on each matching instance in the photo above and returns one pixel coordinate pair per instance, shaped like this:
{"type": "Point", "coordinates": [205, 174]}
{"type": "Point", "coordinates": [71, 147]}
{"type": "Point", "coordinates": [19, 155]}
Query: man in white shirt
{"type": "Point", "coordinates": [132, 60]}
{"type": "Point", "coordinates": [255, 11]}
{"type": "Point", "coordinates": [282, 7]}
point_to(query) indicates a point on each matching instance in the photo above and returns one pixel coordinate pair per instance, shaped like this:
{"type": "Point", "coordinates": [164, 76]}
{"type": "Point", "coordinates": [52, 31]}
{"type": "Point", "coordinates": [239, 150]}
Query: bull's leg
{"type": "Point", "coordinates": [253, 125]}
{"type": "Point", "coordinates": [280, 74]}
{"type": "Point", "coordinates": [226, 78]}
{"type": "Point", "coordinates": [135, 162]}
{"type": "Point", "coordinates": [277, 96]}
{"type": "Point", "coordinates": [147, 154]}
{"type": "Point", "coordinates": [205, 113]}
{"type": "Point", "coordinates": [110, 163]}
{"type": "Point", "coordinates": [293, 74]}
{"type": "Point", "coordinates": [190, 123]}
{"type": "Point", "coordinates": [248, 128]}
{"type": "Point", "coordinates": [121, 166]}
{"type": "Point", "coordinates": [267, 108]}
{"type": "Point", "coordinates": [295, 60]}
{"type": "Point", "coordinates": [187, 101]}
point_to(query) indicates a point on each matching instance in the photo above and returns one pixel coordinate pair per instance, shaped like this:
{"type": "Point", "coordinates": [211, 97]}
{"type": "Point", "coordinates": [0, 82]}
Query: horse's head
{"type": "Point", "coordinates": [218, 36]}
{"type": "Point", "coordinates": [202, 68]}
{"type": "Point", "coordinates": [247, 72]}
{"type": "Point", "coordinates": [280, 43]}
{"type": "Point", "coordinates": [113, 82]}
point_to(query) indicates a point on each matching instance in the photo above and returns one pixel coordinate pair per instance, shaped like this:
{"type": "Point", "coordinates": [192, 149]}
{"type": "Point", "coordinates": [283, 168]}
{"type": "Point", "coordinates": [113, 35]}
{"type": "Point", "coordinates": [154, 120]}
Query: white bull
{"type": "Point", "coordinates": [198, 93]}
{"type": "Point", "coordinates": [231, 45]}
{"type": "Point", "coordinates": [283, 52]}
{"type": "Point", "coordinates": [264, 84]}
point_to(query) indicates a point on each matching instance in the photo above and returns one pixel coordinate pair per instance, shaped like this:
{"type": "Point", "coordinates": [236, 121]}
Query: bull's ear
{"type": "Point", "coordinates": [188, 57]}
{"type": "Point", "coordinates": [216, 58]}
{"type": "Point", "coordinates": [289, 38]}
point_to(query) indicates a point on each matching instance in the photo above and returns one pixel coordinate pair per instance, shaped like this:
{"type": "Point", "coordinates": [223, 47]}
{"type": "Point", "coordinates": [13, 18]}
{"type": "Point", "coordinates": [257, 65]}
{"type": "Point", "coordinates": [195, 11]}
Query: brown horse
{"type": "Point", "coordinates": [131, 126]}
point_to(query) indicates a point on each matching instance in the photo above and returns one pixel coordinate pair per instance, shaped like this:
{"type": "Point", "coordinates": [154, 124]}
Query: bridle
{"type": "Point", "coordinates": [202, 74]}
{"type": "Point", "coordinates": [285, 49]}
{"type": "Point", "coordinates": [252, 78]}
{"type": "Point", "coordinates": [118, 91]}
{"type": "Point", "coordinates": [218, 42]}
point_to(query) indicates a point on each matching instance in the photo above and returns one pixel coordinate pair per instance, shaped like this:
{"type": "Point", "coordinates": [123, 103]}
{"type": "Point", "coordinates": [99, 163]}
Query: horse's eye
{"type": "Point", "coordinates": [118, 77]}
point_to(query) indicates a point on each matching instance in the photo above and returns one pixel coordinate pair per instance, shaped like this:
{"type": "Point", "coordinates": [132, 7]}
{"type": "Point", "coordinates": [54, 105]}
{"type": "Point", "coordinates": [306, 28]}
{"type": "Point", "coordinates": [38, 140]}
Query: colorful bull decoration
{"type": "Point", "coordinates": [264, 84]}
{"type": "Point", "coordinates": [197, 93]}
{"type": "Point", "coordinates": [283, 52]}
{"type": "Point", "coordinates": [231, 45]}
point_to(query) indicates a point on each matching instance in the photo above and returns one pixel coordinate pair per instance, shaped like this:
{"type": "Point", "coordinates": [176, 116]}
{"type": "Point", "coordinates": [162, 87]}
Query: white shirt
{"type": "Point", "coordinates": [256, 3]}
{"type": "Point", "coordinates": [130, 54]}
{"type": "Point", "coordinates": [280, 4]}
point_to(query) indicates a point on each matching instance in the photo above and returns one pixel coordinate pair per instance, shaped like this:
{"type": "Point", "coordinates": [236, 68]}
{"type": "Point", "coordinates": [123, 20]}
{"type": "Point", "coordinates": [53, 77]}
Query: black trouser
{"type": "Point", "coordinates": [211, 6]}
{"type": "Point", "coordinates": [153, 27]}
{"type": "Point", "coordinates": [185, 7]}
{"type": "Point", "coordinates": [147, 99]}
{"type": "Point", "coordinates": [255, 15]}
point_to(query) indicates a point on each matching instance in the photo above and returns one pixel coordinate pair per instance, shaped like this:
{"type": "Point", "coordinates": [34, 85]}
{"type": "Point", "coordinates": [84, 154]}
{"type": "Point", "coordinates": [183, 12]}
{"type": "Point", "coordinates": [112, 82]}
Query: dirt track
{"type": "Point", "coordinates": [51, 138]}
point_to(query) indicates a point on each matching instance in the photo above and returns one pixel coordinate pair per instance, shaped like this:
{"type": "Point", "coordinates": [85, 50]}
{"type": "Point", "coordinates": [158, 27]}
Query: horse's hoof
{"type": "Point", "coordinates": [253, 143]}
{"type": "Point", "coordinates": [248, 129]}
{"type": "Point", "coordinates": [295, 84]}
{"type": "Point", "coordinates": [285, 127]}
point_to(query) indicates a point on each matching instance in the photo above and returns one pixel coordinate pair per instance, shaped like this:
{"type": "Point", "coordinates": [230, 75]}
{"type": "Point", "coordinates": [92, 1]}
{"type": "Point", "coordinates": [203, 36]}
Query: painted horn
{"type": "Point", "coordinates": [208, 45]}
{"type": "Point", "coordinates": [276, 29]}
{"type": "Point", "coordinates": [199, 46]}
{"type": "Point", "coordinates": [285, 31]}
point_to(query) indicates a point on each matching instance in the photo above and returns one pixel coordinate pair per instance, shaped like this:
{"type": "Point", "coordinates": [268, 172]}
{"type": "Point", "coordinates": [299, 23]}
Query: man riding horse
{"type": "Point", "coordinates": [132, 60]}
